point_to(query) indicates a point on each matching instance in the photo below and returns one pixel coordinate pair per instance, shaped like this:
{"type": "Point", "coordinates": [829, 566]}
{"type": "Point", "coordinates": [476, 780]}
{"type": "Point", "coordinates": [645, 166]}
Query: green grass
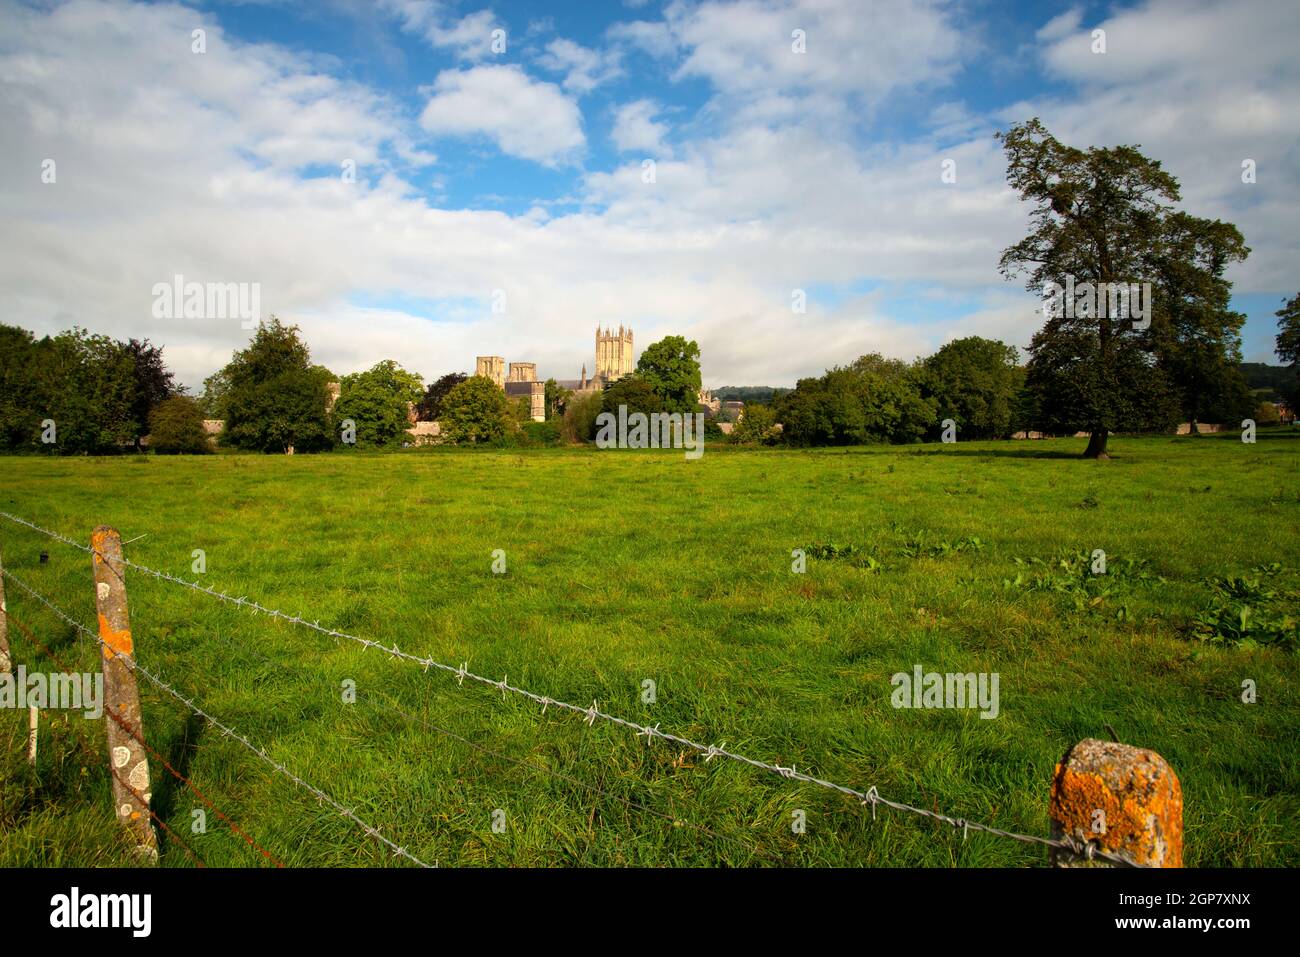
{"type": "Point", "coordinates": [627, 566]}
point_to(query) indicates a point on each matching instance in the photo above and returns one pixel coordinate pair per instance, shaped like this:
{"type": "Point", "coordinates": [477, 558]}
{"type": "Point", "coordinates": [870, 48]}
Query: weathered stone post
{"type": "Point", "coordinates": [1125, 799]}
{"type": "Point", "coordinates": [126, 755]}
{"type": "Point", "coordinates": [33, 732]}
{"type": "Point", "coordinates": [7, 667]}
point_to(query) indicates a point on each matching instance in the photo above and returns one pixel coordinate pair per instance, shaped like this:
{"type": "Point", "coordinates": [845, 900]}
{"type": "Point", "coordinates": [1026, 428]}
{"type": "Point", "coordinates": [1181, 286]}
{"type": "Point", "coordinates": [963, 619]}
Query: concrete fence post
{"type": "Point", "coordinates": [1126, 800]}
{"type": "Point", "coordinates": [7, 667]}
{"type": "Point", "coordinates": [128, 763]}
{"type": "Point", "coordinates": [6, 661]}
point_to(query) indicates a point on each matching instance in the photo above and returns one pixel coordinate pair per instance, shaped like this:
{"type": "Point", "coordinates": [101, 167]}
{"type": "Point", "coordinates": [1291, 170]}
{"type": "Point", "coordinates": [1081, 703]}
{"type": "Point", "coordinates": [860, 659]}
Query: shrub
{"type": "Point", "coordinates": [756, 426]}
{"type": "Point", "coordinates": [580, 418]}
{"type": "Point", "coordinates": [176, 427]}
{"type": "Point", "coordinates": [1267, 414]}
{"type": "Point", "coordinates": [542, 433]}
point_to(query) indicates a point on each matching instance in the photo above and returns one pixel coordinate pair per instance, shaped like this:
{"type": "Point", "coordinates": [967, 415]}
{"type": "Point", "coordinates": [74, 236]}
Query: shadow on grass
{"type": "Point", "coordinates": [1010, 453]}
{"type": "Point", "coordinates": [168, 788]}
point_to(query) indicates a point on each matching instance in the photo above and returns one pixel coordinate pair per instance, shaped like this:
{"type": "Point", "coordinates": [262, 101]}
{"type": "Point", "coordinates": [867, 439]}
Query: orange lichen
{"type": "Point", "coordinates": [1140, 800]}
{"type": "Point", "coordinates": [119, 642]}
{"type": "Point", "coordinates": [97, 543]}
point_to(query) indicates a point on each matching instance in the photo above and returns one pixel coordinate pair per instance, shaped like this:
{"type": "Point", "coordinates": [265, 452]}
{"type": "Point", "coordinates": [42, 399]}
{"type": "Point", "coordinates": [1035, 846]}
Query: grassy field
{"type": "Point", "coordinates": [628, 566]}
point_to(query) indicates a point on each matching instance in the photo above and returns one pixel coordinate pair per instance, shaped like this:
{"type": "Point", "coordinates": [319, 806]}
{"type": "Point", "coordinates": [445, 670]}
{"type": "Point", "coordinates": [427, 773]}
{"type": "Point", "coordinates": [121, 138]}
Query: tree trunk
{"type": "Point", "coordinates": [1097, 446]}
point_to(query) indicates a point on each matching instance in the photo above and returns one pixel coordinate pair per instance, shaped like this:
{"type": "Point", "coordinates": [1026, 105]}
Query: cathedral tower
{"type": "Point", "coordinates": [491, 367]}
{"type": "Point", "coordinates": [614, 354]}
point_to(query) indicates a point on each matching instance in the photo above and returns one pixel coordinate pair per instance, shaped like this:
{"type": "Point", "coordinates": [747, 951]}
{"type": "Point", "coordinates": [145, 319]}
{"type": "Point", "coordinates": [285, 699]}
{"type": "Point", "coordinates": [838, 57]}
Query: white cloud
{"type": "Point", "coordinates": [524, 117]}
{"type": "Point", "coordinates": [172, 163]}
{"type": "Point", "coordinates": [1202, 86]}
{"type": "Point", "coordinates": [584, 68]}
{"type": "Point", "coordinates": [636, 129]}
{"type": "Point", "coordinates": [1061, 25]}
{"type": "Point", "coordinates": [654, 38]}
{"type": "Point", "coordinates": [470, 38]}
{"type": "Point", "coordinates": [855, 53]}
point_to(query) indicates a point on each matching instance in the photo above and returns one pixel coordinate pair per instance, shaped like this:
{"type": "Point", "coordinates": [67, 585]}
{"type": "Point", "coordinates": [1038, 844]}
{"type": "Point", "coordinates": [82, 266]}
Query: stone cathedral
{"type": "Point", "coordinates": [615, 358]}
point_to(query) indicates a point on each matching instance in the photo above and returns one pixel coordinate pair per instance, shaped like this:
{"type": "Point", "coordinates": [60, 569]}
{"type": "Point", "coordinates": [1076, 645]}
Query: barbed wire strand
{"type": "Point", "coordinates": [171, 835]}
{"type": "Point", "coordinates": [93, 756]}
{"type": "Point", "coordinates": [134, 733]}
{"type": "Point", "coordinates": [871, 797]}
{"type": "Point", "coordinates": [161, 685]}
{"type": "Point", "coordinates": [389, 705]}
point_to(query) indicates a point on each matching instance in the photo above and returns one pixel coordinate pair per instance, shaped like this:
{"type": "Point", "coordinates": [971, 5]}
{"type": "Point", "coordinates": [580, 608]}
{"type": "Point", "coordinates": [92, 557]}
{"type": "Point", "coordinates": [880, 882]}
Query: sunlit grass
{"type": "Point", "coordinates": [625, 567]}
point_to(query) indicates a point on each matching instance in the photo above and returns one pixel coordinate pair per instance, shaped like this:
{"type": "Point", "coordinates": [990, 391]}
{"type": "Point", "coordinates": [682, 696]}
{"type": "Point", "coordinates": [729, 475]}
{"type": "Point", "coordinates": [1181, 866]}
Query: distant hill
{"type": "Point", "coordinates": [763, 394]}
{"type": "Point", "coordinates": [1276, 381]}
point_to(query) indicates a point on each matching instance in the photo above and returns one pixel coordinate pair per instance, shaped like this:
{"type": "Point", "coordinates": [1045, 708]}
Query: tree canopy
{"type": "Point", "coordinates": [97, 392]}
{"type": "Point", "coordinates": [1103, 219]}
{"type": "Point", "coordinates": [378, 401]}
{"type": "Point", "coordinates": [272, 397]}
{"type": "Point", "coordinates": [1288, 344]}
{"type": "Point", "coordinates": [873, 400]}
{"type": "Point", "coordinates": [476, 410]}
{"type": "Point", "coordinates": [176, 426]}
{"type": "Point", "coordinates": [634, 392]}
{"type": "Point", "coordinates": [974, 382]}
{"type": "Point", "coordinates": [671, 367]}
{"type": "Point", "coordinates": [429, 407]}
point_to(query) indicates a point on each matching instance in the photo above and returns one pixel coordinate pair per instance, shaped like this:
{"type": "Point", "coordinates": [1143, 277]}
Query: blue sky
{"type": "Point", "coordinates": [518, 176]}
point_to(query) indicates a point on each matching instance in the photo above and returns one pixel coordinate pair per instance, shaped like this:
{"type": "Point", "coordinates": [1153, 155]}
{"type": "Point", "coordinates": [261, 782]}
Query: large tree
{"type": "Point", "coordinates": [872, 400]}
{"type": "Point", "coordinates": [85, 383]}
{"type": "Point", "coordinates": [756, 426]}
{"type": "Point", "coordinates": [273, 398]}
{"type": "Point", "coordinates": [671, 367]}
{"type": "Point", "coordinates": [632, 391]}
{"type": "Point", "coordinates": [429, 407]}
{"type": "Point", "coordinates": [19, 410]}
{"type": "Point", "coordinates": [98, 392]}
{"type": "Point", "coordinates": [1195, 335]}
{"type": "Point", "coordinates": [1102, 218]}
{"type": "Point", "coordinates": [378, 401]}
{"type": "Point", "coordinates": [476, 410]}
{"type": "Point", "coordinates": [974, 382]}
{"type": "Point", "coordinates": [154, 382]}
{"type": "Point", "coordinates": [1288, 344]}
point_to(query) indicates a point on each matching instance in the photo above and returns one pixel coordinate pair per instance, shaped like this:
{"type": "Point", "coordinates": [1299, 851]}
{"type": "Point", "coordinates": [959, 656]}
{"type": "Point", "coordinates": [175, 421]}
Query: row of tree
{"type": "Point", "coordinates": [1101, 219]}
{"type": "Point", "coordinates": [78, 392]}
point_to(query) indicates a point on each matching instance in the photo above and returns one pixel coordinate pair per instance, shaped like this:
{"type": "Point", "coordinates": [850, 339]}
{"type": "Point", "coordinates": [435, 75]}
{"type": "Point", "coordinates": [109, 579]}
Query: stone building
{"type": "Point", "coordinates": [521, 382]}
{"type": "Point", "coordinates": [491, 367]}
{"type": "Point", "coordinates": [532, 390]}
{"type": "Point", "coordinates": [615, 358]}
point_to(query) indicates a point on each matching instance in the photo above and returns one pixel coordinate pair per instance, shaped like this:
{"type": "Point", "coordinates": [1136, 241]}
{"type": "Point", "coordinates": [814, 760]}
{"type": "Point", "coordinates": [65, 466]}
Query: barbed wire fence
{"type": "Point", "coordinates": [868, 797]}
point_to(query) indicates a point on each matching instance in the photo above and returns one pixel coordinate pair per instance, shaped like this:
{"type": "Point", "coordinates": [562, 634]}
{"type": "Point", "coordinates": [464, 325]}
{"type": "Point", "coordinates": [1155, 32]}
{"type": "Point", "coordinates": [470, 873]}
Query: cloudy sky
{"type": "Point", "coordinates": [502, 201]}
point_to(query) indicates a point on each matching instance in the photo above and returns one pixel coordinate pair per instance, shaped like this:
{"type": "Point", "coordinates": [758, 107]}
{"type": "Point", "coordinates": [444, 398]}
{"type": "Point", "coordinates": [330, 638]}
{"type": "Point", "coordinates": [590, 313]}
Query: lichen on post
{"type": "Point", "coordinates": [1123, 799]}
{"type": "Point", "coordinates": [127, 758]}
